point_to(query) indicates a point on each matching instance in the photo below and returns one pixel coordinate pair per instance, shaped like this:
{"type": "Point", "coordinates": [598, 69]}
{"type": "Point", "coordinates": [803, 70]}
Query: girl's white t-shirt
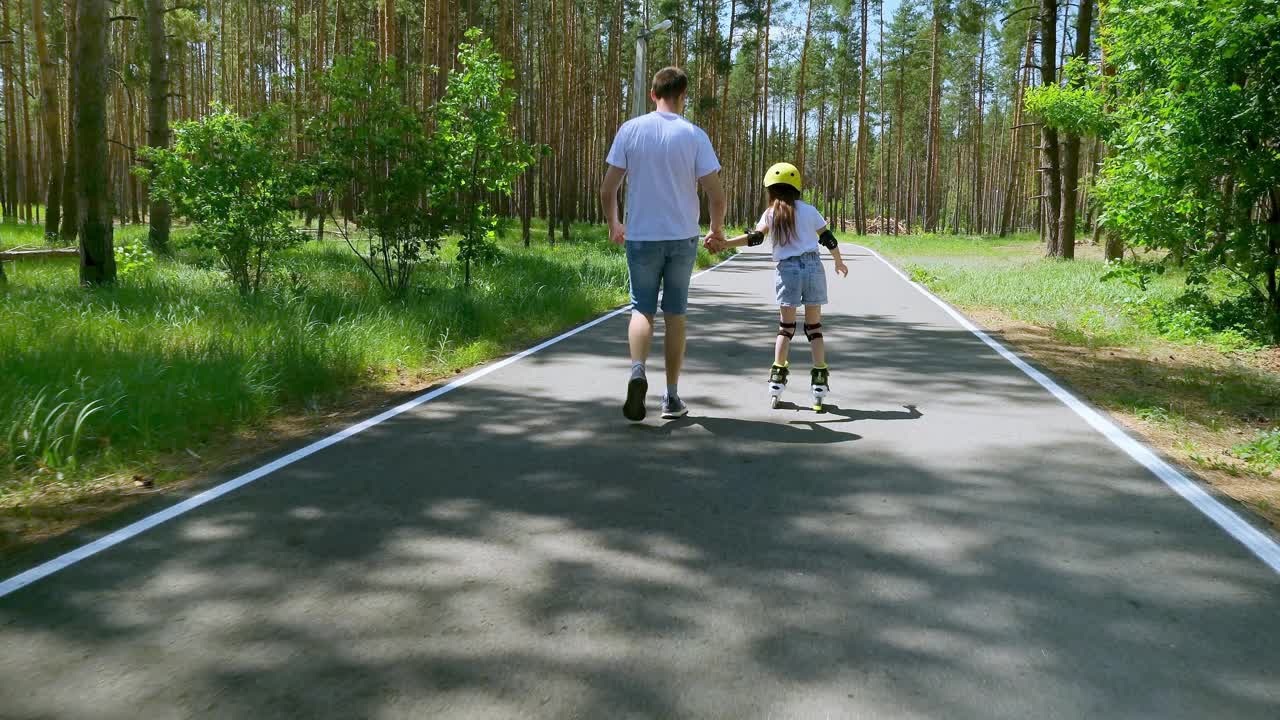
{"type": "Point", "coordinates": [808, 222]}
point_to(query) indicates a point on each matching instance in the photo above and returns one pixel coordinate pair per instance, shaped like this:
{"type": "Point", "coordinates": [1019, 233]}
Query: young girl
{"type": "Point", "coordinates": [795, 229]}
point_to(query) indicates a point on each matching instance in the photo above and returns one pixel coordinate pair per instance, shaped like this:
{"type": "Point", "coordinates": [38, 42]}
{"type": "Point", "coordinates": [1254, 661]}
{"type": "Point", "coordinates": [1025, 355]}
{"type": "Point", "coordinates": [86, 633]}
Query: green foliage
{"type": "Point", "coordinates": [47, 431]}
{"type": "Point", "coordinates": [370, 138]}
{"type": "Point", "coordinates": [1076, 108]}
{"type": "Point", "coordinates": [1193, 156]}
{"type": "Point", "coordinates": [1262, 453]}
{"type": "Point", "coordinates": [923, 276]}
{"type": "Point", "coordinates": [1217, 310]}
{"type": "Point", "coordinates": [1194, 316]}
{"type": "Point", "coordinates": [482, 157]}
{"type": "Point", "coordinates": [133, 259]}
{"type": "Point", "coordinates": [233, 177]}
{"type": "Point", "coordinates": [1137, 274]}
{"type": "Point", "coordinates": [175, 360]}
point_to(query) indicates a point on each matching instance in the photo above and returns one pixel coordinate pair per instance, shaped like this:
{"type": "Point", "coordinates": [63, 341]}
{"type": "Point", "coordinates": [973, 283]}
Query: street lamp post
{"type": "Point", "coordinates": [638, 89]}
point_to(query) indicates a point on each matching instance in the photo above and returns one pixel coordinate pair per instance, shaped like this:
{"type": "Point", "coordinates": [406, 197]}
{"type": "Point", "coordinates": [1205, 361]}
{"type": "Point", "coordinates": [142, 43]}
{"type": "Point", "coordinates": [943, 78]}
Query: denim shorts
{"type": "Point", "coordinates": [665, 263]}
{"type": "Point", "coordinates": [801, 280]}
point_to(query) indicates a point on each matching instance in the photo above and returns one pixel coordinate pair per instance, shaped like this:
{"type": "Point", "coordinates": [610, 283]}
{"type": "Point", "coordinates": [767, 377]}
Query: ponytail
{"type": "Point", "coordinates": [782, 198]}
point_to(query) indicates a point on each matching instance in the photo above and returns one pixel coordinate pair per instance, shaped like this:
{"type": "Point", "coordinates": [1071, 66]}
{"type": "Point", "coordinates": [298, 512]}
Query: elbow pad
{"type": "Point", "coordinates": [828, 239]}
{"type": "Point", "coordinates": [754, 238]}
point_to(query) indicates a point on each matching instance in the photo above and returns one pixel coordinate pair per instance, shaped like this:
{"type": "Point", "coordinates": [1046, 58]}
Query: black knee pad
{"type": "Point", "coordinates": [810, 331]}
{"type": "Point", "coordinates": [787, 330]}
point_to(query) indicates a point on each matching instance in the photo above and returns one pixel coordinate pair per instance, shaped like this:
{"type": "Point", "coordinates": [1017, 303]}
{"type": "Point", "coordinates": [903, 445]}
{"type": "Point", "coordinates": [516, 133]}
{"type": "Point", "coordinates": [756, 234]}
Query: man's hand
{"type": "Point", "coordinates": [841, 268]}
{"type": "Point", "coordinates": [617, 233]}
{"type": "Point", "coordinates": [715, 240]}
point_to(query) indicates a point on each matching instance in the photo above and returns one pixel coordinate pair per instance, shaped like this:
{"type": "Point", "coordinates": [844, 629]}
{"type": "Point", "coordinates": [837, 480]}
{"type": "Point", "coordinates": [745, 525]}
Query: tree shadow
{"type": "Point", "coordinates": [511, 550]}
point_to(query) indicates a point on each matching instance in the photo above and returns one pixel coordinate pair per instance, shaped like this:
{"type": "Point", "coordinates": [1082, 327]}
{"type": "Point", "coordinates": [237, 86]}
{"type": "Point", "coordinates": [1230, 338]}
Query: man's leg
{"type": "Point", "coordinates": [644, 263]}
{"type": "Point", "coordinates": [676, 274]}
{"type": "Point", "coordinates": [673, 338]}
{"type": "Point", "coordinates": [640, 336]}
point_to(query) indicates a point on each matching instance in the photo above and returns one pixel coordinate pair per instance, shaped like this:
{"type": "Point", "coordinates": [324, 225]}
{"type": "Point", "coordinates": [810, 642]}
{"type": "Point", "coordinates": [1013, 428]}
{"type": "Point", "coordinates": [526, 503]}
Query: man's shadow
{"type": "Point", "coordinates": [795, 431]}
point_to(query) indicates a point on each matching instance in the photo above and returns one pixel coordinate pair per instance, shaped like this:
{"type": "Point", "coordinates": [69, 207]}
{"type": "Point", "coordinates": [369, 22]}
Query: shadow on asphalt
{"type": "Point", "coordinates": [514, 544]}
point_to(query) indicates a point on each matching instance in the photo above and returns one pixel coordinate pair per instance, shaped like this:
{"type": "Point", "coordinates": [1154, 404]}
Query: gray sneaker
{"type": "Point", "coordinates": [637, 386]}
{"type": "Point", "coordinates": [673, 408]}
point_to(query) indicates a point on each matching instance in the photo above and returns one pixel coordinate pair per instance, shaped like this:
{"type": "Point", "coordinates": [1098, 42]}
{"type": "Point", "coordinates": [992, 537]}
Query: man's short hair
{"type": "Point", "coordinates": [670, 83]}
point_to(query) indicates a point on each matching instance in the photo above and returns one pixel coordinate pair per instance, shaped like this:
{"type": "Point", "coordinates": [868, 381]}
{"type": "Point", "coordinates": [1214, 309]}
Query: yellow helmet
{"type": "Point", "coordinates": [784, 173]}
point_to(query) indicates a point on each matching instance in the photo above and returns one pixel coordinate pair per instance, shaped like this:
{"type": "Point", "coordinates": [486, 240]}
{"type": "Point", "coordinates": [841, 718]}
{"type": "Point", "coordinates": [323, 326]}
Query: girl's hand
{"type": "Point", "coordinates": [841, 268]}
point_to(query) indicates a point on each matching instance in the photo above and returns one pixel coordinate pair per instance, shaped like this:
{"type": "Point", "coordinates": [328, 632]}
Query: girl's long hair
{"type": "Point", "coordinates": [782, 199]}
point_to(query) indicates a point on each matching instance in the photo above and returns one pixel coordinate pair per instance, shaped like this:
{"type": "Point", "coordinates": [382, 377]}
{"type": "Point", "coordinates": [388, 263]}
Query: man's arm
{"type": "Point", "coordinates": [609, 199]}
{"type": "Point", "coordinates": [717, 203]}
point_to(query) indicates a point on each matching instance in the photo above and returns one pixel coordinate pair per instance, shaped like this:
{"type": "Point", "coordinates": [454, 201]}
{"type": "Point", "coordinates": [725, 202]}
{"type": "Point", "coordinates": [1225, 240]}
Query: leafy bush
{"type": "Point", "coordinates": [234, 178]}
{"type": "Point", "coordinates": [483, 158]}
{"type": "Point", "coordinates": [1192, 157]}
{"type": "Point", "coordinates": [370, 138]}
{"type": "Point", "coordinates": [1077, 107]}
{"type": "Point", "coordinates": [133, 258]}
{"type": "Point", "coordinates": [1216, 309]}
{"type": "Point", "coordinates": [1262, 453]}
{"type": "Point", "coordinates": [924, 276]}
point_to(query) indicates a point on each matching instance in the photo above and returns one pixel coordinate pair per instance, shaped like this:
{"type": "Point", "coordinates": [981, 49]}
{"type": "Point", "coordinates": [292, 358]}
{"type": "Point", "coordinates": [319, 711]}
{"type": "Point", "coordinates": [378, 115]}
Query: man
{"type": "Point", "coordinates": [664, 157]}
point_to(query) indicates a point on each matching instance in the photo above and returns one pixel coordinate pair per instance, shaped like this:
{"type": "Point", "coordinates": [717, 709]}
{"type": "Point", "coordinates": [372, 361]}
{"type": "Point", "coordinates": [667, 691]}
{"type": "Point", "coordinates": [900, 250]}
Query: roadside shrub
{"type": "Point", "coordinates": [370, 138]}
{"type": "Point", "coordinates": [1262, 453]}
{"type": "Point", "coordinates": [133, 258]}
{"type": "Point", "coordinates": [234, 178]}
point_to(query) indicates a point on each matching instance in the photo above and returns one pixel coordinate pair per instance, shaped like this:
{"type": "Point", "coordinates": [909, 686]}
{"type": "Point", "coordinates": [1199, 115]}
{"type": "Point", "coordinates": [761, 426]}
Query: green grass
{"type": "Point", "coordinates": [1011, 275]}
{"type": "Point", "coordinates": [1178, 360]}
{"type": "Point", "coordinates": [1262, 453]}
{"type": "Point", "coordinates": [109, 380]}
{"type": "Point", "coordinates": [17, 235]}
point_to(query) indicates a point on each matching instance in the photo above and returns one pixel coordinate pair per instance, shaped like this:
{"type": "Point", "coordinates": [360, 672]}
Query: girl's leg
{"type": "Point", "coordinates": [787, 324]}
{"type": "Point", "coordinates": [812, 326]}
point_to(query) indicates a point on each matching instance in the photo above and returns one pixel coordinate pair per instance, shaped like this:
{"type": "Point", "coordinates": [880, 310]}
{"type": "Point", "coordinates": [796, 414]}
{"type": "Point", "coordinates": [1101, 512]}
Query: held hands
{"type": "Point", "coordinates": [715, 240]}
{"type": "Point", "coordinates": [617, 233]}
{"type": "Point", "coordinates": [842, 269]}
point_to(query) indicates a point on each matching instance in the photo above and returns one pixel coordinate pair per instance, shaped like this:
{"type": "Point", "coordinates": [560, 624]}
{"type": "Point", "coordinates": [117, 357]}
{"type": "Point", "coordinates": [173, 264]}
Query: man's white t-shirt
{"type": "Point", "coordinates": [664, 156]}
{"type": "Point", "coordinates": [808, 222]}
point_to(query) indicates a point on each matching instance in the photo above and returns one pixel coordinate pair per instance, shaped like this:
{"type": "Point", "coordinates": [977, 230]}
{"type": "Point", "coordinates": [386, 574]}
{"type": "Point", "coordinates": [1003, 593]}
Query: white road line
{"type": "Point", "coordinates": [23, 579]}
{"type": "Point", "coordinates": [1259, 543]}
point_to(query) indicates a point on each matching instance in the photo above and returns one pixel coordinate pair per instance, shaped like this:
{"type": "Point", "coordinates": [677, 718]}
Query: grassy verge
{"type": "Point", "coordinates": [17, 235]}
{"type": "Point", "coordinates": [171, 371]}
{"type": "Point", "coordinates": [1182, 373]}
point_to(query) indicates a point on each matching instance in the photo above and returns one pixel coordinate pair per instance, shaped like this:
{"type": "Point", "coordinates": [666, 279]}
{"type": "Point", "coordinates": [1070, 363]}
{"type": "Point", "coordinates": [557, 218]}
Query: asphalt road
{"type": "Point", "coordinates": [951, 541]}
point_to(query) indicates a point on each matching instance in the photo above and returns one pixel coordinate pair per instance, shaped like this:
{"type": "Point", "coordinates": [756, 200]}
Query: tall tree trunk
{"type": "Point", "coordinates": [933, 159]}
{"type": "Point", "coordinates": [1050, 169]}
{"type": "Point", "coordinates": [52, 124]}
{"type": "Point", "coordinates": [387, 41]}
{"type": "Point", "coordinates": [30, 160]}
{"type": "Point", "coordinates": [97, 261]}
{"type": "Point", "coordinates": [800, 88]}
{"type": "Point", "coordinates": [860, 173]}
{"type": "Point", "coordinates": [70, 192]}
{"type": "Point", "coordinates": [899, 188]}
{"type": "Point", "coordinates": [1071, 149]}
{"type": "Point", "coordinates": [881, 189]}
{"type": "Point", "coordinates": [979, 196]}
{"type": "Point", "coordinates": [1015, 151]}
{"type": "Point", "coordinates": [157, 115]}
{"type": "Point", "coordinates": [11, 155]}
